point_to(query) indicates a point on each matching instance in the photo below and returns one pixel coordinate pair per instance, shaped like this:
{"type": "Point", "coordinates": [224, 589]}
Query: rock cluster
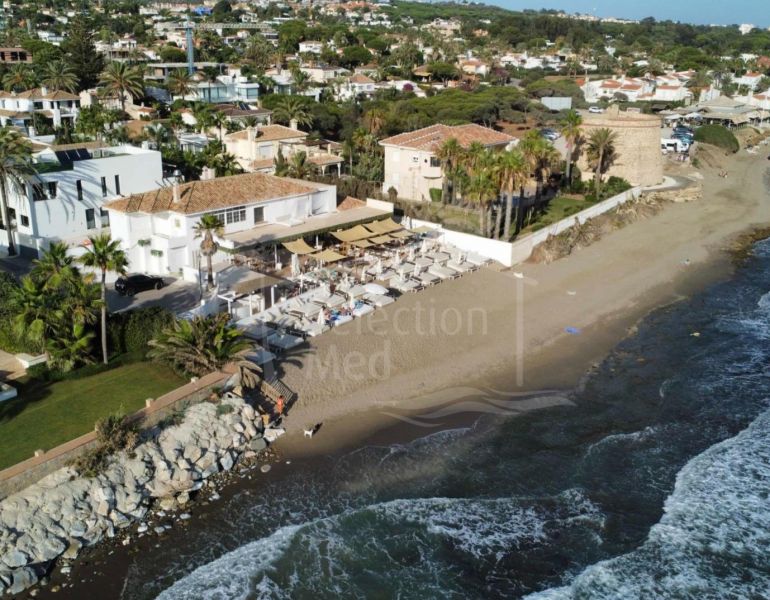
{"type": "Point", "coordinates": [63, 513]}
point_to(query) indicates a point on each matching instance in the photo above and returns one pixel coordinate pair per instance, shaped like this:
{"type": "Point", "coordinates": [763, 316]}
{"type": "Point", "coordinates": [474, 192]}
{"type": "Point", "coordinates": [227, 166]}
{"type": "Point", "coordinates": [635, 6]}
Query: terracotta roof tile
{"type": "Point", "coordinates": [429, 138]}
{"type": "Point", "coordinates": [349, 203]}
{"type": "Point", "coordinates": [359, 78]}
{"type": "Point", "coordinates": [268, 133]}
{"type": "Point", "coordinates": [201, 196]}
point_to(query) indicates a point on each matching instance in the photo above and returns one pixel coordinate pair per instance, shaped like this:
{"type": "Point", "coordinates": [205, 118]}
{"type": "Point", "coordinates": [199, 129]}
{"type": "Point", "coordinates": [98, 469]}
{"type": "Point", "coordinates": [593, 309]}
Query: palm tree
{"type": "Point", "coordinates": [219, 120]}
{"type": "Point", "coordinates": [601, 154]}
{"type": "Point", "coordinates": [225, 164]}
{"type": "Point", "coordinates": [512, 173]}
{"type": "Point", "coordinates": [374, 120]}
{"type": "Point", "coordinates": [201, 345]}
{"type": "Point", "coordinates": [180, 83]}
{"type": "Point", "coordinates": [16, 169]}
{"type": "Point", "coordinates": [208, 227]}
{"type": "Point", "coordinates": [292, 110]}
{"type": "Point", "coordinates": [19, 77]}
{"type": "Point", "coordinates": [58, 75]}
{"type": "Point", "coordinates": [56, 269]}
{"type": "Point", "coordinates": [572, 131]}
{"type": "Point", "coordinates": [300, 80]}
{"type": "Point", "coordinates": [202, 115]}
{"type": "Point", "coordinates": [121, 79]}
{"type": "Point", "coordinates": [299, 166]}
{"type": "Point", "coordinates": [481, 188]}
{"type": "Point", "coordinates": [450, 155]}
{"type": "Point", "coordinates": [70, 347]}
{"type": "Point", "coordinates": [105, 254]}
{"type": "Point", "coordinates": [34, 312]}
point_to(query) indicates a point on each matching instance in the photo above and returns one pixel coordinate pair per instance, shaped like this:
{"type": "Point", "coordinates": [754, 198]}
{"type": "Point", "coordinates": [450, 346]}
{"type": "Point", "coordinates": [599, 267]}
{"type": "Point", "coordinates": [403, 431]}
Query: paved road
{"type": "Point", "coordinates": [177, 296]}
{"type": "Point", "coordinates": [18, 266]}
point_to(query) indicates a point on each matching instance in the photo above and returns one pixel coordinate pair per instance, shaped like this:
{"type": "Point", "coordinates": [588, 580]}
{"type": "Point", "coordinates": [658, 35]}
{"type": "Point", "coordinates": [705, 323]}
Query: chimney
{"type": "Point", "coordinates": [175, 191]}
{"type": "Point", "coordinates": [251, 133]}
{"type": "Point", "coordinates": [294, 124]}
{"type": "Point", "coordinates": [43, 90]}
{"type": "Point", "coordinates": [207, 173]}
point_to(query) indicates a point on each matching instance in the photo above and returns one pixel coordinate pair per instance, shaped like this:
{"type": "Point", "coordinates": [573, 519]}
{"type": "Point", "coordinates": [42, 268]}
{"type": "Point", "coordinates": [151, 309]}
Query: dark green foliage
{"type": "Point", "coordinates": [224, 409]}
{"type": "Point", "coordinates": [131, 331]}
{"type": "Point", "coordinates": [719, 136]}
{"type": "Point", "coordinates": [611, 187]}
{"type": "Point", "coordinates": [113, 434]}
{"type": "Point", "coordinates": [81, 52]}
{"type": "Point", "coordinates": [435, 194]}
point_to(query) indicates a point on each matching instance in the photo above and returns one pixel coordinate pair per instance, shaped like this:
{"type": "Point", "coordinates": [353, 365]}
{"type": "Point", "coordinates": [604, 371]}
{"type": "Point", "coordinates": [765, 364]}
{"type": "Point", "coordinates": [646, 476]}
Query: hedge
{"type": "Point", "coordinates": [719, 136]}
{"type": "Point", "coordinates": [131, 331]}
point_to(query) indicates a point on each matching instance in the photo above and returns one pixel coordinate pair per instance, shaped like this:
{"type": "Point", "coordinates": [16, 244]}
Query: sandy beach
{"type": "Point", "coordinates": [494, 330]}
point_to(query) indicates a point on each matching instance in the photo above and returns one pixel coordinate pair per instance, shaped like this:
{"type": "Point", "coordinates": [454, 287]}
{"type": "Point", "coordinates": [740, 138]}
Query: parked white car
{"type": "Point", "coordinates": [595, 109]}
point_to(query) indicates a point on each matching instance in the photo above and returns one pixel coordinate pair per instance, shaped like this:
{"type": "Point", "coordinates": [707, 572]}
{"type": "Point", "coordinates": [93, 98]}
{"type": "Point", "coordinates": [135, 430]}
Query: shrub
{"type": "Point", "coordinates": [113, 433]}
{"type": "Point", "coordinates": [435, 194]}
{"type": "Point", "coordinates": [224, 409]}
{"type": "Point", "coordinates": [719, 136]}
{"type": "Point", "coordinates": [131, 331]}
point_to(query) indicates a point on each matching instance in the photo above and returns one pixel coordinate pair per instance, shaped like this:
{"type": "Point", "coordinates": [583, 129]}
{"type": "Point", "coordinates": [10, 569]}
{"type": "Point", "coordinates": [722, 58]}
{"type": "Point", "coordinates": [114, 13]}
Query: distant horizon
{"type": "Point", "coordinates": [697, 12]}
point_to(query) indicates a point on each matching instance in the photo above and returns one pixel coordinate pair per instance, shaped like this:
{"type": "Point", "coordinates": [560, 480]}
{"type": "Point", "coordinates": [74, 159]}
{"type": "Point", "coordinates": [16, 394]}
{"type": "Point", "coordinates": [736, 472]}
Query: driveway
{"type": "Point", "coordinates": [177, 296]}
{"type": "Point", "coordinates": [18, 266]}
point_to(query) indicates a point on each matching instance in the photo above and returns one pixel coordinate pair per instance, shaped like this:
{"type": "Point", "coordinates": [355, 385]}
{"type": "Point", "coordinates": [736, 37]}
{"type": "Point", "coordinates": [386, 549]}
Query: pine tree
{"type": "Point", "coordinates": [82, 56]}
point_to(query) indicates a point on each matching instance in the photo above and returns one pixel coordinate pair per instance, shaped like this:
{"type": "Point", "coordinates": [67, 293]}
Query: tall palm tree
{"type": "Point", "coordinates": [219, 120]}
{"type": "Point", "coordinates": [601, 154]}
{"type": "Point", "coordinates": [292, 109]}
{"type": "Point", "coordinates": [121, 79]}
{"type": "Point", "coordinates": [572, 132]}
{"type": "Point", "coordinates": [450, 155]}
{"type": "Point", "coordinates": [58, 75]}
{"type": "Point", "coordinates": [105, 254]}
{"type": "Point", "coordinates": [16, 169]}
{"type": "Point", "coordinates": [512, 173]}
{"type": "Point", "coordinates": [180, 83]}
{"type": "Point", "coordinates": [480, 190]}
{"type": "Point", "coordinates": [208, 227]}
{"type": "Point", "coordinates": [34, 311]}
{"type": "Point", "coordinates": [19, 77]}
{"type": "Point", "coordinates": [203, 117]}
{"type": "Point", "coordinates": [300, 80]}
{"type": "Point", "coordinates": [201, 345]}
{"type": "Point", "coordinates": [299, 166]}
{"type": "Point", "coordinates": [225, 164]}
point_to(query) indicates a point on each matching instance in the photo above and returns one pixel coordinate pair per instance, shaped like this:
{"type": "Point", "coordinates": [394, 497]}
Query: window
{"type": "Point", "coordinates": [415, 159]}
{"type": "Point", "coordinates": [90, 218]}
{"type": "Point", "coordinates": [434, 162]}
{"type": "Point", "coordinates": [230, 216]}
{"type": "Point", "coordinates": [117, 184]}
{"type": "Point", "coordinates": [79, 186]}
{"type": "Point", "coordinates": [104, 187]}
{"type": "Point", "coordinates": [24, 221]}
{"type": "Point", "coordinates": [37, 191]}
{"type": "Point", "coordinates": [259, 214]}
{"type": "Point", "coordinates": [105, 215]}
{"type": "Point", "coordinates": [52, 189]}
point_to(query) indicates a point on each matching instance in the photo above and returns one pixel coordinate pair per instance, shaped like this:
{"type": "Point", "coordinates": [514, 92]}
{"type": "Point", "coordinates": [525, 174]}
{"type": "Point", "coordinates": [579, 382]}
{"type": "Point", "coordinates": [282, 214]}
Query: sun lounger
{"type": "Point", "coordinates": [426, 278]}
{"type": "Point", "coordinates": [442, 272]}
{"type": "Point", "coordinates": [308, 310]}
{"type": "Point", "coordinates": [355, 292]}
{"type": "Point", "coordinates": [405, 285]}
{"type": "Point", "coordinates": [476, 259]}
{"type": "Point", "coordinates": [254, 329]}
{"type": "Point", "coordinates": [423, 262]}
{"type": "Point", "coordinates": [362, 308]}
{"type": "Point", "coordinates": [283, 341]}
{"type": "Point", "coordinates": [438, 257]}
{"type": "Point", "coordinates": [379, 300]}
{"type": "Point", "coordinates": [313, 329]}
{"type": "Point", "coordinates": [333, 301]}
{"type": "Point", "coordinates": [460, 267]}
{"type": "Point", "coordinates": [341, 320]}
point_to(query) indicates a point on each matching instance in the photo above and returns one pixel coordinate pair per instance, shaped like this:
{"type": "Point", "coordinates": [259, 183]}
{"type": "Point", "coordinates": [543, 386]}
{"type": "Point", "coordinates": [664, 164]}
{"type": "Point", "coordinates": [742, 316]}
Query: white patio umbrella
{"type": "Point", "coordinates": [375, 288]}
{"type": "Point", "coordinates": [425, 247]}
{"type": "Point", "coordinates": [352, 303]}
{"type": "Point", "coordinates": [378, 267]}
{"type": "Point", "coordinates": [397, 259]}
{"type": "Point", "coordinates": [416, 270]}
{"type": "Point", "coordinates": [411, 253]}
{"type": "Point", "coordinates": [321, 320]}
{"type": "Point", "coordinates": [295, 270]}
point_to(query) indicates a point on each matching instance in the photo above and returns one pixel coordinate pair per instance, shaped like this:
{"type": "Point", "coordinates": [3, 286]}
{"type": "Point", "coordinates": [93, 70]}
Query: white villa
{"type": "Point", "coordinates": [256, 148]}
{"type": "Point", "coordinates": [411, 166]}
{"type": "Point", "coordinates": [17, 109]}
{"type": "Point", "coordinates": [66, 201]}
{"type": "Point", "coordinates": [157, 228]}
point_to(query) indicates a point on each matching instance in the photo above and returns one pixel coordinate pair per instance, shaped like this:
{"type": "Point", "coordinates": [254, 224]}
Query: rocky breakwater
{"type": "Point", "coordinates": [64, 512]}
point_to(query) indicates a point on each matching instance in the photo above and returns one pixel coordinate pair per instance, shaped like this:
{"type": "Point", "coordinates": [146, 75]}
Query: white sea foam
{"type": "Point", "coordinates": [712, 540]}
{"type": "Point", "coordinates": [328, 556]}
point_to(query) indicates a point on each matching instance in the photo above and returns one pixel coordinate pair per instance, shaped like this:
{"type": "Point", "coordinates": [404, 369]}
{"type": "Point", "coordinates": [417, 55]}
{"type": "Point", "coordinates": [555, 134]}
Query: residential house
{"type": "Point", "coordinates": [157, 228]}
{"type": "Point", "coordinates": [311, 47]}
{"type": "Point", "coordinates": [14, 55]}
{"type": "Point", "coordinates": [20, 109]}
{"type": "Point", "coordinates": [750, 80]}
{"type": "Point", "coordinates": [355, 86]}
{"type": "Point", "coordinates": [66, 201]}
{"type": "Point", "coordinates": [474, 66]}
{"type": "Point", "coordinates": [324, 73]}
{"type": "Point", "coordinates": [256, 148]}
{"type": "Point", "coordinates": [411, 165]}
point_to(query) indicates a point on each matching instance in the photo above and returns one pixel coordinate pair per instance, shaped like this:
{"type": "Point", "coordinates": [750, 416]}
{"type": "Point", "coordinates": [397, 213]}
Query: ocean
{"type": "Point", "coordinates": [653, 483]}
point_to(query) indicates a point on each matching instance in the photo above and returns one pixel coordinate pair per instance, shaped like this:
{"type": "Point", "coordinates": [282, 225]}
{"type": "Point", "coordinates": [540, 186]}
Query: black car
{"type": "Point", "coordinates": [132, 284]}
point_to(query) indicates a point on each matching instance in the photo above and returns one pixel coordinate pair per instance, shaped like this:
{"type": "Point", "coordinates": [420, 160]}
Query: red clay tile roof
{"type": "Point", "coordinates": [268, 133]}
{"type": "Point", "coordinates": [349, 203]}
{"type": "Point", "coordinates": [359, 78]}
{"type": "Point", "coordinates": [429, 138]}
{"type": "Point", "coordinates": [201, 196]}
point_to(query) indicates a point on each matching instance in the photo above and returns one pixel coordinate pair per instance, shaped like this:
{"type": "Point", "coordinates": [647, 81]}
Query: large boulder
{"type": "Point", "coordinates": [22, 579]}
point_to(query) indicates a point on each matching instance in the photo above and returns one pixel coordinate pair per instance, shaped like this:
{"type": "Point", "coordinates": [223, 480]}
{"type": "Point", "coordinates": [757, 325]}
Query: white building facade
{"type": "Point", "coordinates": [65, 202]}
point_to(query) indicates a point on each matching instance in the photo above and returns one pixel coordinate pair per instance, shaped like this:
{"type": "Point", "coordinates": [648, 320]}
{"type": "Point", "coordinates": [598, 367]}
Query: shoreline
{"type": "Point", "coordinates": [561, 362]}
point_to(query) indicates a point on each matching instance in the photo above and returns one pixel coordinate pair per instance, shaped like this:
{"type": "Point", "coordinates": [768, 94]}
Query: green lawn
{"type": "Point", "coordinates": [45, 415]}
{"type": "Point", "coordinates": [559, 208]}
